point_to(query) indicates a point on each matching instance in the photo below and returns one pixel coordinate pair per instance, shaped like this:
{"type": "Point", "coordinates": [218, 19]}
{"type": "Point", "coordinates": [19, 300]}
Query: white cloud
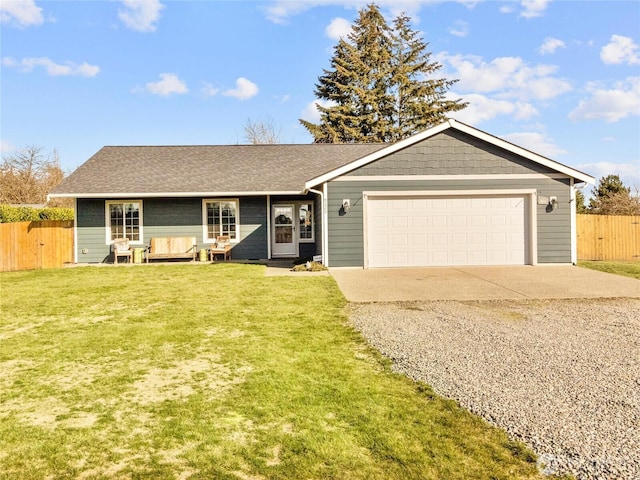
{"type": "Point", "coordinates": [6, 147]}
{"type": "Point", "coordinates": [459, 29]}
{"type": "Point", "coordinates": [482, 108]}
{"type": "Point", "coordinates": [506, 8]}
{"type": "Point", "coordinates": [311, 112]}
{"type": "Point", "coordinates": [244, 90]}
{"type": "Point", "coordinates": [507, 77]}
{"type": "Point", "coordinates": [550, 45]}
{"type": "Point", "coordinates": [282, 98]}
{"type": "Point", "coordinates": [23, 13]}
{"type": "Point", "coordinates": [620, 50]}
{"type": "Point", "coordinates": [610, 105]}
{"type": "Point", "coordinates": [53, 69]}
{"type": "Point", "coordinates": [536, 142]}
{"type": "Point", "coordinates": [279, 11]}
{"type": "Point", "coordinates": [168, 84]}
{"type": "Point", "coordinates": [209, 90]}
{"type": "Point", "coordinates": [141, 15]}
{"type": "Point", "coordinates": [339, 27]}
{"type": "Point", "coordinates": [534, 8]}
{"type": "Point", "coordinates": [629, 173]}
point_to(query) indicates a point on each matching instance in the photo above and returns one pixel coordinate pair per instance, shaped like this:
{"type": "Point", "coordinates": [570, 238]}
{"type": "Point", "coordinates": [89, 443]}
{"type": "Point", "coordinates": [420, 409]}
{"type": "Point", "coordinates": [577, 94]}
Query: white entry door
{"type": "Point", "coordinates": [283, 238]}
{"type": "Point", "coordinates": [439, 231]}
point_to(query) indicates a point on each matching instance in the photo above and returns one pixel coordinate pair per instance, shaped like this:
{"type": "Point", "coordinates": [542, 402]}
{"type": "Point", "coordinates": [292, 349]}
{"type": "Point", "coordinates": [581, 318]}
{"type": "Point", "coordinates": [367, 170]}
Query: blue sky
{"type": "Point", "coordinates": [561, 78]}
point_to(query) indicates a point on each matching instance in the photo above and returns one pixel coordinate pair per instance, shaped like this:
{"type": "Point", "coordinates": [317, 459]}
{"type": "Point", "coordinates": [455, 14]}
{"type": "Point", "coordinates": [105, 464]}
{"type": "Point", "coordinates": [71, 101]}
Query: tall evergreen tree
{"type": "Point", "coordinates": [419, 98]}
{"type": "Point", "coordinates": [357, 85]}
{"type": "Point", "coordinates": [581, 206]}
{"type": "Point", "coordinates": [378, 88]}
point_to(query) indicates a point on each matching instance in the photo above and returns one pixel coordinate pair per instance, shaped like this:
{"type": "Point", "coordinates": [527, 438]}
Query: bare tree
{"type": "Point", "coordinates": [612, 197]}
{"type": "Point", "coordinates": [27, 175]}
{"type": "Point", "coordinates": [619, 203]}
{"type": "Point", "coordinates": [261, 132]}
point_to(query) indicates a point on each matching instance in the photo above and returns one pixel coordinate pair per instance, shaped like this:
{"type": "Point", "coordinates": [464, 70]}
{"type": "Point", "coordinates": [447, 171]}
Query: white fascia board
{"type": "Point", "coordinates": [474, 132]}
{"type": "Point", "coordinates": [169, 194]}
{"type": "Point", "coordinates": [411, 178]}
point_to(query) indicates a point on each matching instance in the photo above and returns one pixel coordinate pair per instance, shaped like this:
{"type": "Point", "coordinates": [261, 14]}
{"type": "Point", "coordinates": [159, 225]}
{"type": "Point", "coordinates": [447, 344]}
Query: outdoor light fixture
{"type": "Point", "coordinates": [346, 204]}
{"type": "Point", "coordinates": [553, 203]}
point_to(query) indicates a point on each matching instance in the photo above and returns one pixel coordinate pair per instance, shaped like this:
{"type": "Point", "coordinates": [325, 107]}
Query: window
{"type": "Point", "coordinates": [124, 220]}
{"type": "Point", "coordinates": [220, 218]}
{"type": "Point", "coordinates": [305, 211]}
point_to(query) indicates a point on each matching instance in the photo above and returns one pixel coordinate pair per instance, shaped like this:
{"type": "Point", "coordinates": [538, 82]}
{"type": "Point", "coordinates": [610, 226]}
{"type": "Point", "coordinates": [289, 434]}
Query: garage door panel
{"type": "Point", "coordinates": [478, 257]}
{"type": "Point", "coordinates": [439, 239]}
{"type": "Point", "coordinates": [477, 239]}
{"type": "Point", "coordinates": [399, 221]}
{"type": "Point", "coordinates": [400, 259]}
{"type": "Point", "coordinates": [459, 239]}
{"type": "Point", "coordinates": [497, 220]}
{"type": "Point", "coordinates": [439, 221]}
{"type": "Point", "coordinates": [400, 240]}
{"type": "Point", "coordinates": [419, 239]}
{"type": "Point", "coordinates": [459, 220]}
{"type": "Point", "coordinates": [478, 230]}
{"type": "Point", "coordinates": [478, 220]}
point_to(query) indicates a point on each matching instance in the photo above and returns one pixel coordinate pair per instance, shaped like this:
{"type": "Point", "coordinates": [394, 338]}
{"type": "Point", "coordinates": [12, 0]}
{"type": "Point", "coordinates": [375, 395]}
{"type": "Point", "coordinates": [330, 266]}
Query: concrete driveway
{"type": "Point", "coordinates": [480, 283]}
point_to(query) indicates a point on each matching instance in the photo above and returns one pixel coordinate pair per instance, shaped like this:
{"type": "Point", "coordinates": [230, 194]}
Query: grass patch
{"type": "Point", "coordinates": [214, 371]}
{"type": "Point", "coordinates": [626, 269]}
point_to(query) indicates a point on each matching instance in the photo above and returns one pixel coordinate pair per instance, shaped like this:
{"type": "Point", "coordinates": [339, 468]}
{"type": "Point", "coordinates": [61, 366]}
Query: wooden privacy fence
{"type": "Point", "coordinates": [32, 245]}
{"type": "Point", "coordinates": [608, 237]}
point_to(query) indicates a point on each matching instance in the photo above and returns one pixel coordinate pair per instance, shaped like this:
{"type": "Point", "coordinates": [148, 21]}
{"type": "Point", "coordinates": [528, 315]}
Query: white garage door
{"type": "Point", "coordinates": [439, 231]}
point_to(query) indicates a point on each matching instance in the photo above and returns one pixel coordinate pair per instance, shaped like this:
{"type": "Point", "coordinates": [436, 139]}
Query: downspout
{"type": "Point", "coordinates": [325, 223]}
{"type": "Point", "coordinates": [75, 230]}
{"type": "Point", "coordinates": [268, 227]}
{"type": "Point", "coordinates": [574, 234]}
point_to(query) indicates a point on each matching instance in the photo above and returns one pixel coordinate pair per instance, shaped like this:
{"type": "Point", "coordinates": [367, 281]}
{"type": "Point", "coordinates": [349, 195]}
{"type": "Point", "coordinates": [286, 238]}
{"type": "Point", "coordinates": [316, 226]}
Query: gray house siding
{"type": "Point", "coordinates": [166, 217]}
{"type": "Point", "coordinates": [253, 229]}
{"type": "Point", "coordinates": [451, 153]}
{"type": "Point", "coordinates": [90, 238]}
{"type": "Point", "coordinates": [346, 234]}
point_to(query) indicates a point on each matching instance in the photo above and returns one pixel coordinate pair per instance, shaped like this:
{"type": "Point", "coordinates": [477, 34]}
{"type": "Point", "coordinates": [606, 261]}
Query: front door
{"type": "Point", "coordinates": [284, 238]}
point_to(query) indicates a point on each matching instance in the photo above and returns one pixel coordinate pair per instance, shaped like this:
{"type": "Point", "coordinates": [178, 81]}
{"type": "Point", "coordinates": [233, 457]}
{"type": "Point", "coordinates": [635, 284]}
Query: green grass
{"type": "Point", "coordinates": [627, 269]}
{"type": "Point", "coordinates": [216, 372]}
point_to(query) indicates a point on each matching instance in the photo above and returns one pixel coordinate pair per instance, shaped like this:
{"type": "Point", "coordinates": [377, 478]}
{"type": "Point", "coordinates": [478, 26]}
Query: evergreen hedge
{"type": "Point", "coordinates": [11, 214]}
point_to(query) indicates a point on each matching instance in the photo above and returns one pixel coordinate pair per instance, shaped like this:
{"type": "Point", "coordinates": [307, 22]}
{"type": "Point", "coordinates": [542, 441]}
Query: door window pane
{"type": "Point", "coordinates": [306, 221]}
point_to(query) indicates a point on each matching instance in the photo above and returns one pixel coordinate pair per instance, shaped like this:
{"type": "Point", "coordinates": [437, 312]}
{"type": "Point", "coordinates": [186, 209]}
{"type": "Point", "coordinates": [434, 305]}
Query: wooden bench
{"type": "Point", "coordinates": [171, 247]}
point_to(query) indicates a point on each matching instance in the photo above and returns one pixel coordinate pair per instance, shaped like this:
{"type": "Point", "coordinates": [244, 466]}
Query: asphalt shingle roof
{"type": "Point", "coordinates": [208, 169]}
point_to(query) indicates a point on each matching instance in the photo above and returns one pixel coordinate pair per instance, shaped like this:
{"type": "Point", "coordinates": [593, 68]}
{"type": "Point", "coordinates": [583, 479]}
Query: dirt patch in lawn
{"type": "Point", "coordinates": [185, 378]}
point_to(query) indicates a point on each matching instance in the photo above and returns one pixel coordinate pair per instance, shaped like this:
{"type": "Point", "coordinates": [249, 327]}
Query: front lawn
{"type": "Point", "coordinates": [216, 372]}
{"type": "Point", "coordinates": [627, 269]}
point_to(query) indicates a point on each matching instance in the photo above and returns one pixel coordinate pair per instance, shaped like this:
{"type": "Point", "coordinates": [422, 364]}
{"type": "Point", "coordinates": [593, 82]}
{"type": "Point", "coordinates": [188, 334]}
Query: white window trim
{"type": "Point", "coordinates": [297, 206]}
{"type": "Point", "coordinates": [205, 230]}
{"type": "Point", "coordinates": [107, 220]}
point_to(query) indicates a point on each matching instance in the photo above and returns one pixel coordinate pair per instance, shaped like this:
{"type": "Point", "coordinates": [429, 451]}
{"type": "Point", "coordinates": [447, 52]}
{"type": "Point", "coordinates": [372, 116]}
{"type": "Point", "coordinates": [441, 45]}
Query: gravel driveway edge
{"type": "Point", "coordinates": [563, 376]}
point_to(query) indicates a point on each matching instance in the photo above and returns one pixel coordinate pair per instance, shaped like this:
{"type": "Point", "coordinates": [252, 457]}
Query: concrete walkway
{"type": "Point", "coordinates": [480, 283]}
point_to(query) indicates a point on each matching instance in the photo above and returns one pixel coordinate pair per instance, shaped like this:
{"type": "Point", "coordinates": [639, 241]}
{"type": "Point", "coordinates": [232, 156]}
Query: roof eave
{"type": "Point", "coordinates": [172, 194]}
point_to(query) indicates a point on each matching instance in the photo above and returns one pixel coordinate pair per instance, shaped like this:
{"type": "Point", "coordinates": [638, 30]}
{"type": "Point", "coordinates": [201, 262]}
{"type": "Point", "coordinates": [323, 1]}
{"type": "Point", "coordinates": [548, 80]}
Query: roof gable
{"type": "Point", "coordinates": [539, 162]}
